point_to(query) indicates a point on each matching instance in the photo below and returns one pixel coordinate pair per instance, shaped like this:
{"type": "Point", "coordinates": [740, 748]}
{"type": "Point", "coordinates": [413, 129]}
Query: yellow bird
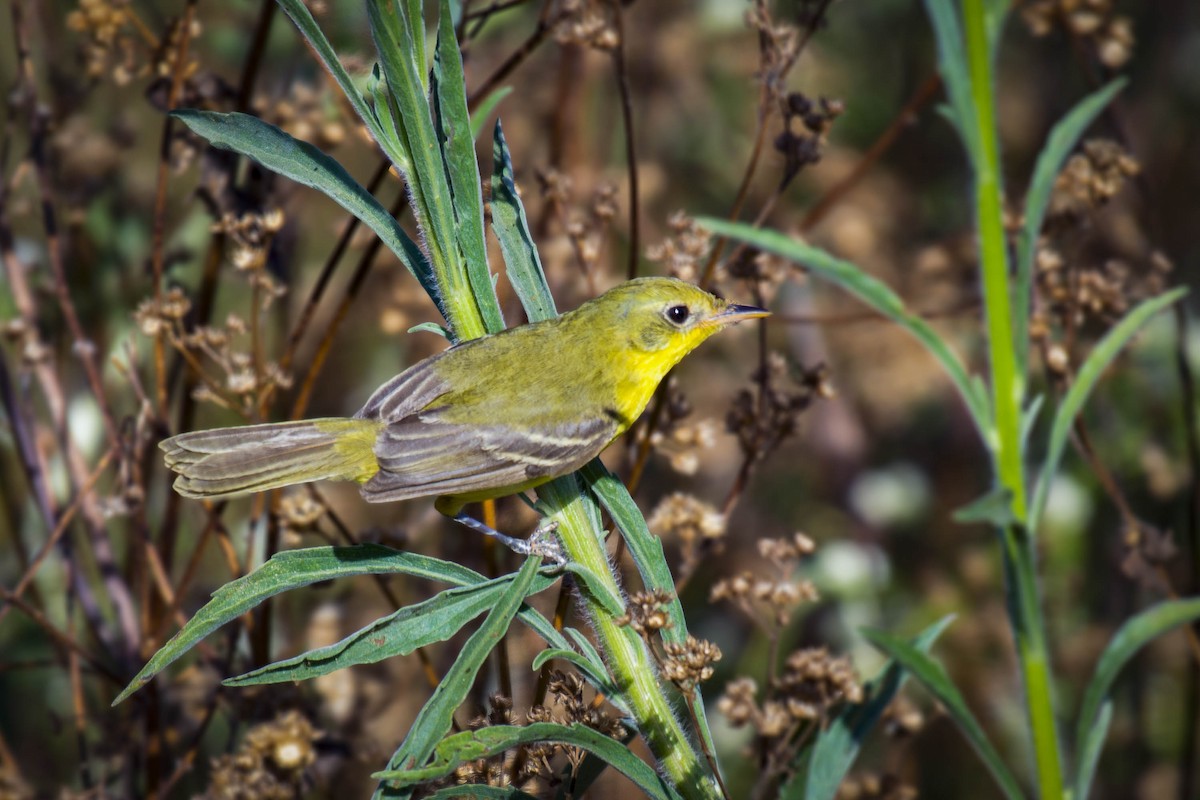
{"type": "Point", "coordinates": [486, 418]}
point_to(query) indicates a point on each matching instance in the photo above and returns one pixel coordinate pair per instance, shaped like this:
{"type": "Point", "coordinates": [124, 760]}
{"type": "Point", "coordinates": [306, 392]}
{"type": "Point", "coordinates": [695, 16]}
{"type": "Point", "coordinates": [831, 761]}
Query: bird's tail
{"type": "Point", "coordinates": [227, 462]}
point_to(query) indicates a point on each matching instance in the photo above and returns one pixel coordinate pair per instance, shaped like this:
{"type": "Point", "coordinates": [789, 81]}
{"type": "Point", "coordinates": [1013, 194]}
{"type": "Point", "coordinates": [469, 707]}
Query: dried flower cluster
{"type": "Point", "coordinates": [586, 226]}
{"type": "Point", "coordinates": [533, 765]}
{"type": "Point", "coordinates": [685, 664]}
{"type": "Point", "coordinates": [806, 125]}
{"type": "Point", "coordinates": [684, 442]}
{"type": "Point", "coordinates": [299, 513]}
{"type": "Point", "coordinates": [241, 383]}
{"type": "Point", "coordinates": [1075, 287]}
{"type": "Point", "coordinates": [250, 235]}
{"type": "Point", "coordinates": [1089, 180]}
{"type": "Point", "coordinates": [1093, 21]}
{"type": "Point", "coordinates": [779, 46]}
{"type": "Point", "coordinates": [683, 252]}
{"type": "Point", "coordinates": [307, 113]}
{"type": "Point", "coordinates": [689, 663]}
{"type": "Point", "coordinates": [1148, 551]}
{"type": "Point", "coordinates": [696, 525]}
{"type": "Point", "coordinates": [108, 49]}
{"type": "Point", "coordinates": [763, 416]}
{"type": "Point", "coordinates": [121, 47]}
{"type": "Point", "coordinates": [869, 786]}
{"type": "Point", "coordinates": [270, 763]}
{"type": "Point", "coordinates": [812, 684]}
{"type": "Point", "coordinates": [770, 601]}
{"type": "Point", "coordinates": [590, 23]}
{"type": "Point", "coordinates": [765, 271]}
{"type": "Point", "coordinates": [646, 613]}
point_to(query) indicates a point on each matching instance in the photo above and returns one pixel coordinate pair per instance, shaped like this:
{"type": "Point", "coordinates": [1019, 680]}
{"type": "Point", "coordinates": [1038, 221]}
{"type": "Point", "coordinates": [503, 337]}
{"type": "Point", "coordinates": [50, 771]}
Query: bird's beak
{"type": "Point", "coordinates": [734, 313]}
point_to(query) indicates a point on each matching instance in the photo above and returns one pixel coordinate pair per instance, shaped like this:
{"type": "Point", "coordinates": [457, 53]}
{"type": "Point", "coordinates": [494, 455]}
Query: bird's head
{"type": "Point", "coordinates": [667, 318]}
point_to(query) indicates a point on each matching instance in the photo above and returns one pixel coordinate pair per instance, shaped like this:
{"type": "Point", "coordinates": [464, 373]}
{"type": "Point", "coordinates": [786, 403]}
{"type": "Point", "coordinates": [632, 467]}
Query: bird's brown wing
{"type": "Point", "coordinates": [425, 454]}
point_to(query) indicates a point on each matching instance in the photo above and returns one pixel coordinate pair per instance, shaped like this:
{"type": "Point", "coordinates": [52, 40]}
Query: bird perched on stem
{"type": "Point", "coordinates": [486, 418]}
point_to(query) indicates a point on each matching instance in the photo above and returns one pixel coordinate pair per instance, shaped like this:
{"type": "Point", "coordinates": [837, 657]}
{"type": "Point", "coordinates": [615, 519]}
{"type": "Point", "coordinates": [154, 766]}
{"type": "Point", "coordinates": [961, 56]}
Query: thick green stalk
{"type": "Point", "coordinates": [630, 664]}
{"type": "Point", "coordinates": [1020, 558]}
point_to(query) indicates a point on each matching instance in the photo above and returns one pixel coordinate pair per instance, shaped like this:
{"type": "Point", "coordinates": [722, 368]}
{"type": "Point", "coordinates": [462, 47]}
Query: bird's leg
{"type": "Point", "coordinates": [542, 542]}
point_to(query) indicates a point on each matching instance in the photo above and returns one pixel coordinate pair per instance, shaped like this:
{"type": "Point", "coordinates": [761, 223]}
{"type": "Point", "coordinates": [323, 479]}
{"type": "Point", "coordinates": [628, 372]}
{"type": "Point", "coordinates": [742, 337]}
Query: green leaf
{"type": "Point", "coordinates": [292, 569]}
{"type": "Point", "coordinates": [1089, 373]}
{"type": "Point", "coordinates": [994, 508]}
{"type": "Point", "coordinates": [480, 116]}
{"type": "Point", "coordinates": [1059, 144]}
{"type": "Point", "coordinates": [647, 552]}
{"type": "Point", "coordinates": [516, 242]}
{"type": "Point", "coordinates": [289, 570]}
{"type": "Point", "coordinates": [437, 715]}
{"type": "Point", "coordinates": [837, 745]}
{"type": "Point", "coordinates": [493, 740]}
{"type": "Point", "coordinates": [397, 634]}
{"type": "Point", "coordinates": [1090, 749]}
{"type": "Point", "coordinates": [952, 63]}
{"type": "Point", "coordinates": [395, 146]}
{"type": "Point", "coordinates": [596, 588]}
{"type": "Point", "coordinates": [480, 790]}
{"type": "Point", "coordinates": [594, 672]}
{"type": "Point", "coordinates": [873, 293]}
{"type": "Point", "coordinates": [304, 22]}
{"type": "Point", "coordinates": [589, 651]}
{"type": "Point", "coordinates": [454, 123]}
{"type": "Point", "coordinates": [1132, 636]}
{"type": "Point", "coordinates": [307, 165]}
{"type": "Point", "coordinates": [431, 327]}
{"type": "Point", "coordinates": [432, 200]}
{"type": "Point", "coordinates": [933, 677]}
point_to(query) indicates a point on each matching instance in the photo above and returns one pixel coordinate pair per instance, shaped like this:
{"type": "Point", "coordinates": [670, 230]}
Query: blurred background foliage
{"type": "Point", "coordinates": [825, 421]}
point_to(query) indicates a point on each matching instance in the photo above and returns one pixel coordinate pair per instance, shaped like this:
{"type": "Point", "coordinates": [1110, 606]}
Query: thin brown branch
{"type": "Point", "coordinates": [541, 30]}
{"type": "Point", "coordinates": [621, 72]}
{"type": "Point", "coordinates": [158, 230]}
{"type": "Point", "coordinates": [365, 262]}
{"type": "Point", "coordinates": [904, 119]}
{"type": "Point", "coordinates": [65, 640]}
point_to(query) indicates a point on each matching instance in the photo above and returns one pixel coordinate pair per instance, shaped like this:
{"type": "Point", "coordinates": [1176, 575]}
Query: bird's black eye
{"type": "Point", "coordinates": [678, 314]}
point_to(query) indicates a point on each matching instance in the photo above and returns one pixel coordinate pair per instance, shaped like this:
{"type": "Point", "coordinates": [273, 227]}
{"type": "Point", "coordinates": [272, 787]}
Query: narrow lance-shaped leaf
{"type": "Point", "coordinates": [872, 292]}
{"type": "Point", "coordinates": [430, 188]}
{"type": "Point", "coordinates": [1132, 637]}
{"type": "Point", "coordinates": [292, 569]}
{"type": "Point", "coordinates": [933, 677]}
{"type": "Point", "coordinates": [837, 745]}
{"type": "Point", "coordinates": [436, 716]}
{"type": "Point", "coordinates": [468, 746]}
{"type": "Point", "coordinates": [458, 146]}
{"type": "Point", "coordinates": [1089, 373]}
{"type": "Point", "coordinates": [304, 22]}
{"type": "Point", "coordinates": [516, 241]}
{"type": "Point", "coordinates": [952, 62]}
{"type": "Point", "coordinates": [397, 634]}
{"type": "Point", "coordinates": [307, 165]}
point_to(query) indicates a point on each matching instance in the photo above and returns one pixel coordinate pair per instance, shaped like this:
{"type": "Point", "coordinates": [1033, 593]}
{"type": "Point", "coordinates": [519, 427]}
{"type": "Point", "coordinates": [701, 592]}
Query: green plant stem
{"type": "Point", "coordinates": [630, 664]}
{"type": "Point", "coordinates": [1007, 391]}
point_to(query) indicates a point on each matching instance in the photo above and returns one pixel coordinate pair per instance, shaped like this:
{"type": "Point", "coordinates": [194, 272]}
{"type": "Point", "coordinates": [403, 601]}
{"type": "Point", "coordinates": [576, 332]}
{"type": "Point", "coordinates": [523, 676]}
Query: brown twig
{"type": "Point", "coordinates": [540, 31]}
{"type": "Point", "coordinates": [621, 73]}
{"type": "Point", "coordinates": [317, 363]}
{"type": "Point", "coordinates": [158, 230]}
{"type": "Point", "coordinates": [60, 527]}
{"type": "Point", "coordinates": [332, 260]}
{"type": "Point", "coordinates": [66, 641]}
{"type": "Point", "coordinates": [903, 120]}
